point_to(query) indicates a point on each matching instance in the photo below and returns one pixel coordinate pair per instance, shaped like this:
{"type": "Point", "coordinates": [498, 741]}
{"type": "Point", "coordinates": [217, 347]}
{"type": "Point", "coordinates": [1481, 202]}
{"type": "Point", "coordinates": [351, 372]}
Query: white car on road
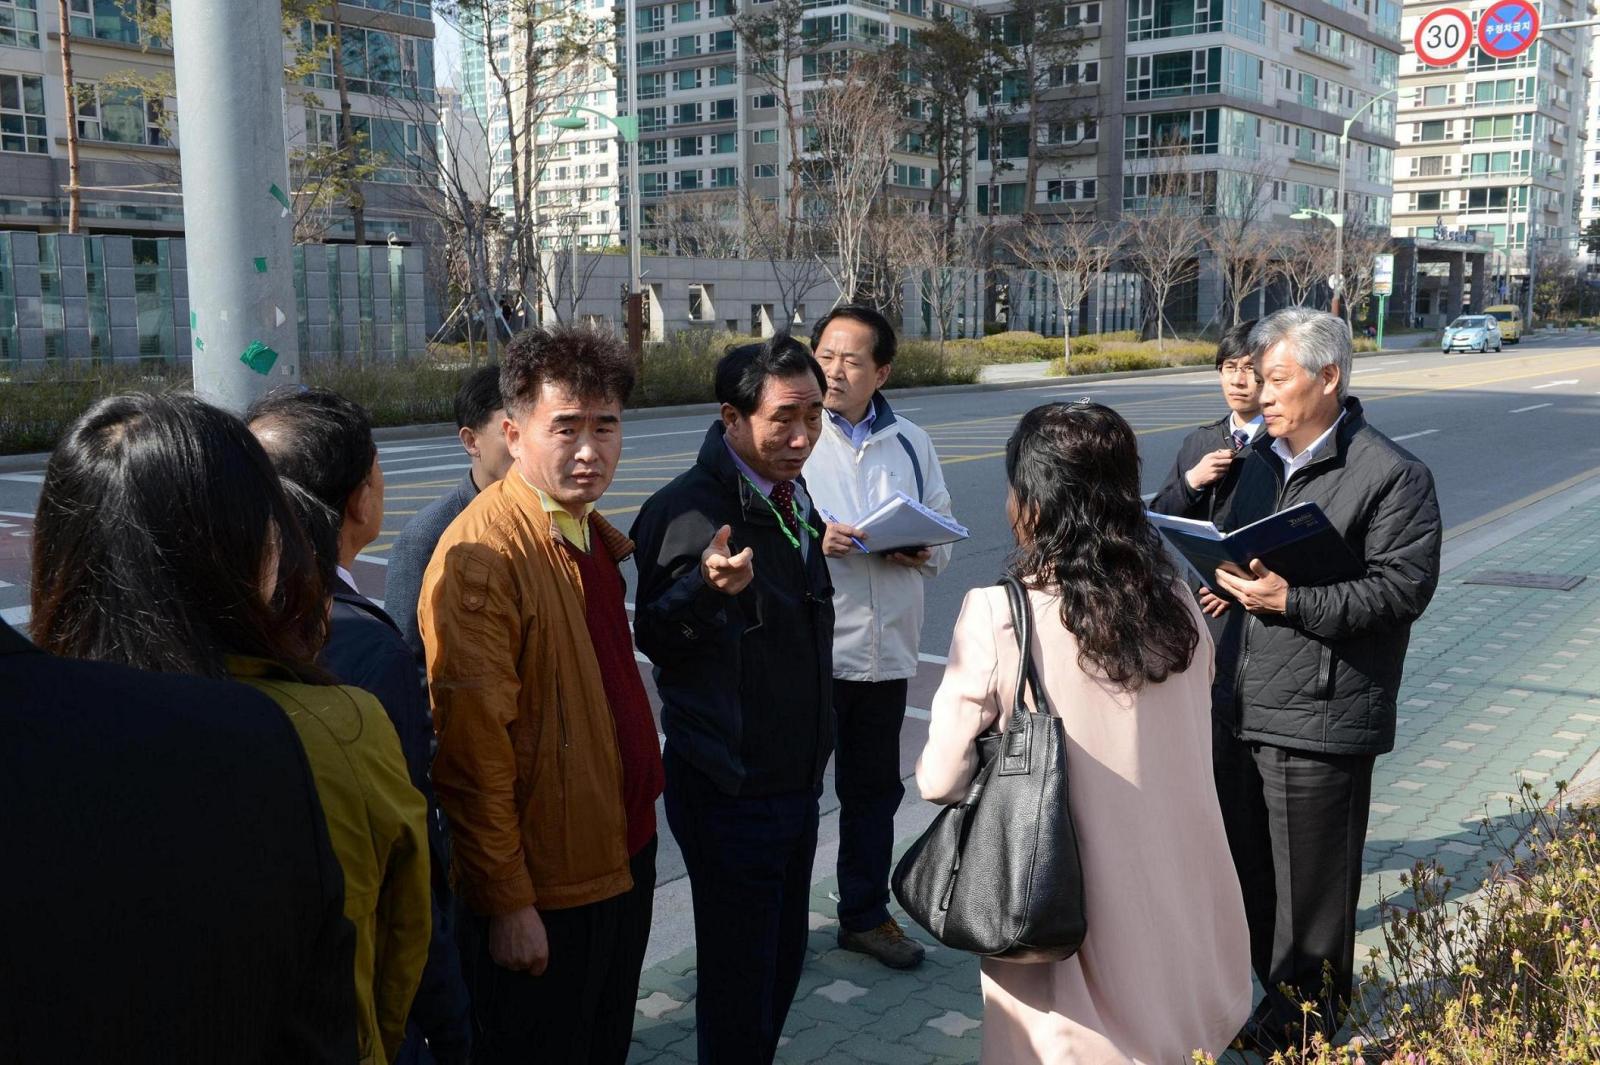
{"type": "Point", "coordinates": [1472, 332]}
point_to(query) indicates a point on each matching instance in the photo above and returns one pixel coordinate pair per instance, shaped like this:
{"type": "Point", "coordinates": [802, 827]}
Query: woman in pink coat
{"type": "Point", "coordinates": [1126, 661]}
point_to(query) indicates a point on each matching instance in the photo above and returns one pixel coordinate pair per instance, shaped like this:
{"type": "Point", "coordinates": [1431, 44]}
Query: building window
{"type": "Point", "coordinates": [687, 11]}
{"type": "Point", "coordinates": [686, 147]}
{"type": "Point", "coordinates": [764, 102]}
{"type": "Point", "coordinates": [763, 136]}
{"type": "Point", "coordinates": [686, 180]}
{"type": "Point", "coordinates": [22, 124]}
{"type": "Point", "coordinates": [764, 170]}
{"type": "Point", "coordinates": [725, 143]}
{"type": "Point", "coordinates": [1081, 15]}
{"type": "Point", "coordinates": [1429, 201]}
{"type": "Point", "coordinates": [1436, 130]}
{"type": "Point", "coordinates": [724, 177]}
{"type": "Point", "coordinates": [119, 116]}
{"type": "Point", "coordinates": [19, 23]}
{"type": "Point", "coordinates": [686, 80]}
{"type": "Point", "coordinates": [652, 86]}
{"type": "Point", "coordinates": [108, 20]}
{"type": "Point", "coordinates": [722, 111]}
{"type": "Point", "coordinates": [652, 19]}
{"type": "Point", "coordinates": [1069, 189]}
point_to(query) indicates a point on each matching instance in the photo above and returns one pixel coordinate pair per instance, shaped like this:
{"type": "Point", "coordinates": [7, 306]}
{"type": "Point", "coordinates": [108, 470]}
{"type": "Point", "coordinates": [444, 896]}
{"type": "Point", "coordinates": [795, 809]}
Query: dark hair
{"type": "Point", "coordinates": [742, 373]}
{"type": "Point", "coordinates": [321, 526]}
{"type": "Point", "coordinates": [317, 439]}
{"type": "Point", "coordinates": [590, 364]}
{"type": "Point", "coordinates": [1075, 471]}
{"type": "Point", "coordinates": [882, 351]}
{"type": "Point", "coordinates": [157, 516]}
{"type": "Point", "coordinates": [1235, 342]}
{"type": "Point", "coordinates": [478, 398]}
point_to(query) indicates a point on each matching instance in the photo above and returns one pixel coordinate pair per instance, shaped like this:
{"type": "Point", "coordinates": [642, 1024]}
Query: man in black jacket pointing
{"type": "Point", "coordinates": [1310, 702]}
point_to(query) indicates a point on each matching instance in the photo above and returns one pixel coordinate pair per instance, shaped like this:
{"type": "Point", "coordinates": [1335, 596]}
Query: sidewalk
{"type": "Point", "coordinates": [1502, 685]}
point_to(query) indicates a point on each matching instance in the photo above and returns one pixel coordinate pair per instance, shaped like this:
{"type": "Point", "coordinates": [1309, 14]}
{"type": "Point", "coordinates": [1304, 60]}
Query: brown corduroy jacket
{"type": "Point", "coordinates": [527, 768]}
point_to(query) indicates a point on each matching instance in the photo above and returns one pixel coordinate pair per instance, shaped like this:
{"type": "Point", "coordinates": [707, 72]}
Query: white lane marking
{"type": "Point", "coordinates": [15, 514]}
{"type": "Point", "coordinates": [395, 449]}
{"type": "Point", "coordinates": [1552, 384]}
{"type": "Point", "coordinates": [919, 713]}
{"type": "Point", "coordinates": [1536, 406]}
{"type": "Point", "coordinates": [1380, 369]}
{"type": "Point", "coordinates": [29, 478]}
{"type": "Point", "coordinates": [16, 615]}
{"type": "Point", "coordinates": [426, 469]}
{"type": "Point", "coordinates": [376, 560]}
{"type": "Point", "coordinates": [676, 432]}
{"type": "Point", "coordinates": [1148, 496]}
{"type": "Point", "coordinates": [6, 584]}
{"type": "Point", "coordinates": [1413, 436]}
{"type": "Point", "coordinates": [938, 660]}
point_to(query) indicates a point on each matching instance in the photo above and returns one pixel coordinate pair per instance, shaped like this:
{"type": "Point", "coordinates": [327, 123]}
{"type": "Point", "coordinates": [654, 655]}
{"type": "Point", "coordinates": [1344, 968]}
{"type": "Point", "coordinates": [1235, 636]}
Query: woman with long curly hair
{"type": "Point", "coordinates": [1126, 662]}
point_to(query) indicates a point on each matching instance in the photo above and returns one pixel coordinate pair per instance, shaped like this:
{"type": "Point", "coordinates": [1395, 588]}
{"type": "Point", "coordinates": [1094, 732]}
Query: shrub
{"type": "Point", "coordinates": [918, 363]}
{"type": "Point", "coordinates": [679, 369]}
{"type": "Point", "coordinates": [1510, 976]}
{"type": "Point", "coordinates": [1123, 356]}
{"type": "Point", "coordinates": [1018, 346]}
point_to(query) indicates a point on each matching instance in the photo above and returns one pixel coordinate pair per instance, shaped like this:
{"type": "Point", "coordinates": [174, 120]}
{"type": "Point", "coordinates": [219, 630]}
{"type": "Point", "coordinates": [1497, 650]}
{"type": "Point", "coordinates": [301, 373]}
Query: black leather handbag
{"type": "Point", "coordinates": [998, 874]}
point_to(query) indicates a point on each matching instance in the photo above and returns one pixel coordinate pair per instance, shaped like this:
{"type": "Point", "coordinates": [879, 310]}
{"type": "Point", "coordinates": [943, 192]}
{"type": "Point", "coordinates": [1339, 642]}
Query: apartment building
{"type": "Point", "coordinates": [129, 124]}
{"type": "Point", "coordinates": [1493, 151]}
{"type": "Point", "coordinates": [576, 172]}
{"type": "Point", "coordinates": [1589, 191]}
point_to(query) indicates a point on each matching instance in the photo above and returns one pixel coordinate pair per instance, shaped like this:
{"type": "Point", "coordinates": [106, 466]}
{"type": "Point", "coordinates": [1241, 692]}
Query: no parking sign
{"type": "Point", "coordinates": [1508, 28]}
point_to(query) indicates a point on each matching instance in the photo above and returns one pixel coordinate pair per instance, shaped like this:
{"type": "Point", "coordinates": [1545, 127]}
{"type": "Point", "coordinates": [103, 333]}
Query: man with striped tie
{"type": "Point", "coordinates": [1203, 477]}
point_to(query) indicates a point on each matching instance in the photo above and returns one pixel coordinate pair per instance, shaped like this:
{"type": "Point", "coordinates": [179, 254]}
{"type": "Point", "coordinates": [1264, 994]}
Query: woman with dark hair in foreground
{"type": "Point", "coordinates": [164, 541]}
{"type": "Point", "coordinates": [1126, 662]}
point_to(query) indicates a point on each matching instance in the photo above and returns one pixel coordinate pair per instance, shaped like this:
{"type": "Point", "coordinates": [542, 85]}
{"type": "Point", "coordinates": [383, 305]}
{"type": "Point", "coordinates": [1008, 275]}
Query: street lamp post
{"type": "Point", "coordinates": [627, 127]}
{"type": "Point", "coordinates": [1337, 217]}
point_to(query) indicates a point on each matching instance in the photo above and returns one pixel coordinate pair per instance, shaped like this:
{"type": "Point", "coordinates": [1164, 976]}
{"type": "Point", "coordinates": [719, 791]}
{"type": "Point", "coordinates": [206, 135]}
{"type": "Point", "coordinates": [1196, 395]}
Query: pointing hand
{"type": "Point", "coordinates": [728, 573]}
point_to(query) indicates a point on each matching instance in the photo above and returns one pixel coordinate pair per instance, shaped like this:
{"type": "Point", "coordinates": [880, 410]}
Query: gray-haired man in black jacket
{"type": "Point", "coordinates": [1311, 701]}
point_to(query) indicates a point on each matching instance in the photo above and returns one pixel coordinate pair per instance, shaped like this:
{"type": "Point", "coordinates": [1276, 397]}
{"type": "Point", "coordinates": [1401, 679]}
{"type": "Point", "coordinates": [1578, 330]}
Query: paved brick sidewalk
{"type": "Point", "coordinates": [1502, 685]}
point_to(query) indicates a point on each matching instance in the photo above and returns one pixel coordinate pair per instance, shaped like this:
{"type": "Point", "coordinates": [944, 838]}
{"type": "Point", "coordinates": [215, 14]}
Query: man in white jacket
{"type": "Point", "coordinates": [865, 455]}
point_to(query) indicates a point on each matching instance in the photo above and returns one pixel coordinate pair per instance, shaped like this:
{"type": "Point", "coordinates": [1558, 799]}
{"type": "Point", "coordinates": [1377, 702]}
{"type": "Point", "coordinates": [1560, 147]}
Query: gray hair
{"type": "Point", "coordinates": [1318, 338]}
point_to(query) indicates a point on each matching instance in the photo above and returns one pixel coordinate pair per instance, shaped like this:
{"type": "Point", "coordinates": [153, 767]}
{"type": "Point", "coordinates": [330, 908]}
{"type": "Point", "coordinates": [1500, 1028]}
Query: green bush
{"type": "Point", "coordinates": [409, 392]}
{"type": "Point", "coordinates": [1018, 346]}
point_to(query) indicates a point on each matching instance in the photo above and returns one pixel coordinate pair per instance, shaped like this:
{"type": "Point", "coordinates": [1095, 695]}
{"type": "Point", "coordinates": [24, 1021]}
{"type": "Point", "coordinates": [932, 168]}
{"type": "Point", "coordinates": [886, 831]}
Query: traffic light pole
{"type": "Point", "coordinates": [236, 210]}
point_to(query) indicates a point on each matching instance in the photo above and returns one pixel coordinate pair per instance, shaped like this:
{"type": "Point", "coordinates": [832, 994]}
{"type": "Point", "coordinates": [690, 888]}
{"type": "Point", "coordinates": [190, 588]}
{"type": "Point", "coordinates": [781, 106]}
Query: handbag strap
{"type": "Point", "coordinates": [1015, 756]}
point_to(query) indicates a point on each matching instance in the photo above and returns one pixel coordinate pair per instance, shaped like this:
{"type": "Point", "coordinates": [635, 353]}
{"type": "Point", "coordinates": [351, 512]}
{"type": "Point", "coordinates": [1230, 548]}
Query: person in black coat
{"type": "Point", "coordinates": [480, 426]}
{"type": "Point", "coordinates": [323, 443]}
{"type": "Point", "coordinates": [735, 609]}
{"type": "Point", "coordinates": [172, 896]}
{"type": "Point", "coordinates": [1210, 457]}
{"type": "Point", "coordinates": [1311, 701]}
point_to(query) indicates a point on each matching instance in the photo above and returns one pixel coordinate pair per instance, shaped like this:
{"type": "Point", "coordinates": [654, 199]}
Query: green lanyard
{"type": "Point", "coordinates": [783, 526]}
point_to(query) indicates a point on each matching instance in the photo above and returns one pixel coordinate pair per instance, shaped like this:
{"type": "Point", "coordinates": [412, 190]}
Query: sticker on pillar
{"type": "Point", "coordinates": [278, 317]}
{"type": "Point", "coordinates": [277, 194]}
{"type": "Point", "coordinates": [259, 357]}
{"type": "Point", "coordinates": [261, 264]}
{"type": "Point", "coordinates": [199, 345]}
{"type": "Point", "coordinates": [194, 320]}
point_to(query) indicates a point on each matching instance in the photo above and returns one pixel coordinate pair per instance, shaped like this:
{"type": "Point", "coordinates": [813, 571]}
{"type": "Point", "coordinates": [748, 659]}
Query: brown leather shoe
{"type": "Point", "coordinates": [888, 943]}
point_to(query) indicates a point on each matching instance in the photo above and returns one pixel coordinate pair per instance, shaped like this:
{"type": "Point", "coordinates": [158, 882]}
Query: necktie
{"type": "Point", "coordinates": [1241, 438]}
{"type": "Point", "coordinates": [783, 501]}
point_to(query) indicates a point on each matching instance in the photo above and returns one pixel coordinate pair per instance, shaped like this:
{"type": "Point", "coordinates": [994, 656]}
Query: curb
{"type": "Point", "coordinates": [400, 433]}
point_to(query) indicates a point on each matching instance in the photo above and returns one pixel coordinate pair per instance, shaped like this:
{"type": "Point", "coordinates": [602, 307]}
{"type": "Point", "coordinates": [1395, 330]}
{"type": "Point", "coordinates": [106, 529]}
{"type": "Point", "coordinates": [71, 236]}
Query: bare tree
{"type": "Point", "coordinates": [856, 124]}
{"type": "Point", "coordinates": [1166, 230]}
{"type": "Point", "coordinates": [706, 225]}
{"type": "Point", "coordinates": [1073, 254]}
{"type": "Point", "coordinates": [924, 250]}
{"type": "Point", "coordinates": [535, 56]}
{"type": "Point", "coordinates": [774, 42]}
{"type": "Point", "coordinates": [1301, 262]}
{"type": "Point", "coordinates": [766, 236]}
{"type": "Point", "coordinates": [1246, 250]}
{"type": "Point", "coordinates": [1364, 241]}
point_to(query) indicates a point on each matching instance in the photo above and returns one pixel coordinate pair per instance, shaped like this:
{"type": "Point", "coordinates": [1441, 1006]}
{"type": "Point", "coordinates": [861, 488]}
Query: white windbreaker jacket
{"type": "Point", "coordinates": [877, 604]}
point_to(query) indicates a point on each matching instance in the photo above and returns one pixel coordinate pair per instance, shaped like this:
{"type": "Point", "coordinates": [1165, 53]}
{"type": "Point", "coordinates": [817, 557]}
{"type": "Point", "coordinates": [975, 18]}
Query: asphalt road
{"type": "Point", "coordinates": [1497, 430]}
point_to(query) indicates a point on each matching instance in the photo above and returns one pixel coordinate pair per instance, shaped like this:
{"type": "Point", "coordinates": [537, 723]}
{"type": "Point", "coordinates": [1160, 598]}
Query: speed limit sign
{"type": "Point", "coordinates": [1443, 36]}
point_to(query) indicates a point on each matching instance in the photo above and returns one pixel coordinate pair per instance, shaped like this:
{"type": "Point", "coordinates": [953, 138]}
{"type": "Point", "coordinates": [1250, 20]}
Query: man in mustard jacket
{"type": "Point", "coordinates": [548, 763]}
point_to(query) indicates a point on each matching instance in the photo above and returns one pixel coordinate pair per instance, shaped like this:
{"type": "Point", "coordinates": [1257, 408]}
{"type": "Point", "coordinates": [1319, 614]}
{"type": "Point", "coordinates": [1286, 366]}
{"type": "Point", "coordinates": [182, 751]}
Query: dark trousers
{"type": "Point", "coordinates": [580, 1010]}
{"type": "Point", "coordinates": [1297, 825]}
{"type": "Point", "coordinates": [749, 863]}
{"type": "Point", "coordinates": [866, 777]}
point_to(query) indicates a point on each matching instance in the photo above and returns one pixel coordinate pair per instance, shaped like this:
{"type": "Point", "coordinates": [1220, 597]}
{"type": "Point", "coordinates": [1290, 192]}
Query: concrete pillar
{"type": "Point", "coordinates": [228, 60]}
{"type": "Point", "coordinates": [1458, 271]}
{"type": "Point", "coordinates": [1480, 283]}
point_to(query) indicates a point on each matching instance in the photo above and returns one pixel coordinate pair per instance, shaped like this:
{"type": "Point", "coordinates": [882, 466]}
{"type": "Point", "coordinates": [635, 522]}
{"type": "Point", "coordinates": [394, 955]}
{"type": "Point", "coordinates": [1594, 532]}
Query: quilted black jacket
{"type": "Point", "coordinates": [1324, 676]}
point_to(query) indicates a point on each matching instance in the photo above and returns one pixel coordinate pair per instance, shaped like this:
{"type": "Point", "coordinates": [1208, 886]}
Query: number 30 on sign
{"type": "Point", "coordinates": [1443, 36]}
